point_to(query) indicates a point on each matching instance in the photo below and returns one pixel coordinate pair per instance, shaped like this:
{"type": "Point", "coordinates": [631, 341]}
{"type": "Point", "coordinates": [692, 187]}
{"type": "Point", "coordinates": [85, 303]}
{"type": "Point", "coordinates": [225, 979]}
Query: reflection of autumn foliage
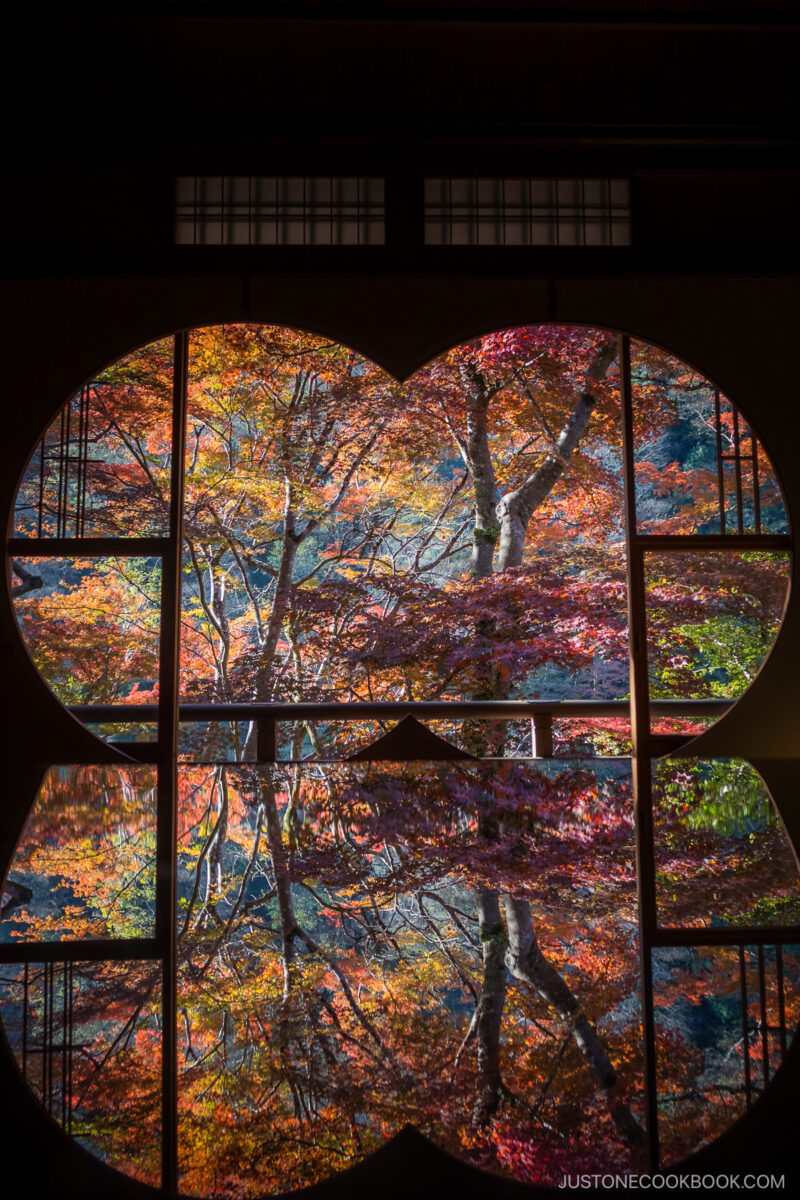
{"type": "Point", "coordinates": [330, 978]}
{"type": "Point", "coordinates": [331, 964]}
{"type": "Point", "coordinates": [700, 1042]}
{"type": "Point", "coordinates": [110, 1095]}
{"type": "Point", "coordinates": [88, 853]}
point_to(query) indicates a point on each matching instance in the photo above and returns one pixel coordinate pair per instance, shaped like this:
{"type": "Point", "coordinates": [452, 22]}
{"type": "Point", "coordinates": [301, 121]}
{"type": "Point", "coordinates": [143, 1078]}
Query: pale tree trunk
{"type": "Point", "coordinates": [502, 522]}
{"type": "Point", "coordinates": [478, 461]}
{"type": "Point", "coordinates": [211, 592]}
{"type": "Point", "coordinates": [280, 604]}
{"type": "Point", "coordinates": [292, 539]}
{"type": "Point", "coordinates": [265, 675]}
{"type": "Point", "coordinates": [217, 847]}
{"type": "Point", "coordinates": [516, 508]}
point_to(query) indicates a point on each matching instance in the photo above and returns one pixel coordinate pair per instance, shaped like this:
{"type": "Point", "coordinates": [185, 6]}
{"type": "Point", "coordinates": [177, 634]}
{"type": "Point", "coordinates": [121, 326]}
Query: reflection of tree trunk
{"type": "Point", "coordinates": [283, 885]}
{"type": "Point", "coordinates": [291, 931]}
{"type": "Point", "coordinates": [214, 842]}
{"type": "Point", "coordinates": [526, 962]}
{"type": "Point", "coordinates": [217, 846]}
{"type": "Point", "coordinates": [489, 1013]}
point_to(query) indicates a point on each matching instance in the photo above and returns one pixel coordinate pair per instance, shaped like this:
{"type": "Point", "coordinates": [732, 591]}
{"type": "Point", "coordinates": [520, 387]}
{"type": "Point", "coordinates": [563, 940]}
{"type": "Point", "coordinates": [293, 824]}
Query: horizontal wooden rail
{"type": "Point", "coordinates": [668, 542]}
{"type": "Point", "coordinates": [118, 950]}
{"type": "Point", "coordinates": [88, 547]}
{"type": "Point", "coordinates": [136, 547]}
{"type": "Point", "coordinates": [726, 935]}
{"type": "Point", "coordinates": [320, 710]}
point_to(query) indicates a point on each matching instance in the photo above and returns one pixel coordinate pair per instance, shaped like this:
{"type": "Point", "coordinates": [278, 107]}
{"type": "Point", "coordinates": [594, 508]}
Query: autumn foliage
{"type": "Point", "coordinates": [361, 946]}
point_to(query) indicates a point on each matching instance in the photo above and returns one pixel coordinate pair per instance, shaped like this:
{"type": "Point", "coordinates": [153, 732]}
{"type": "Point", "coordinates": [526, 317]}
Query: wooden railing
{"type": "Point", "coordinates": [541, 713]}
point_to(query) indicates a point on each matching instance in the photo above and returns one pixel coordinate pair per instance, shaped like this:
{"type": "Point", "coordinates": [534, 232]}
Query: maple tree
{"type": "Point", "coordinates": [93, 631]}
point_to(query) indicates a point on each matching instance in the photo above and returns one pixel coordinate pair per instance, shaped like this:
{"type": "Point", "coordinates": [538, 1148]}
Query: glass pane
{"type": "Point", "coordinates": [773, 514]}
{"type": "Point", "coordinates": [707, 1058]}
{"type": "Point", "coordinates": [722, 856]}
{"type": "Point", "coordinates": [331, 928]}
{"type": "Point", "coordinates": [340, 545]}
{"type": "Point", "coordinates": [604, 736]}
{"type": "Point", "coordinates": [699, 466]}
{"type": "Point", "coordinates": [691, 724]}
{"type": "Point", "coordinates": [91, 626]}
{"type": "Point", "coordinates": [212, 741]}
{"type": "Point", "coordinates": [85, 865]}
{"type": "Point", "coordinates": [87, 1039]}
{"type": "Point", "coordinates": [102, 468]}
{"type": "Point", "coordinates": [712, 618]}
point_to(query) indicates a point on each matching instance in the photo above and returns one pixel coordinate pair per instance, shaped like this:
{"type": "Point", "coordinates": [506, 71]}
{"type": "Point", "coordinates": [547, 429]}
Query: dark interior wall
{"type": "Point", "coordinates": [699, 108]}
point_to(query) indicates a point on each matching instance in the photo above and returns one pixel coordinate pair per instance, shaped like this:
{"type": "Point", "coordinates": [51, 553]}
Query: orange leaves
{"type": "Point", "coordinates": [87, 854]}
{"type": "Point", "coordinates": [93, 630]}
{"type": "Point", "coordinates": [103, 465]}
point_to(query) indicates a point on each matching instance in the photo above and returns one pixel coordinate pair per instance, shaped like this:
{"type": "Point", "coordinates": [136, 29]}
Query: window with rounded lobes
{"type": "Point", "coordinates": [390, 668]}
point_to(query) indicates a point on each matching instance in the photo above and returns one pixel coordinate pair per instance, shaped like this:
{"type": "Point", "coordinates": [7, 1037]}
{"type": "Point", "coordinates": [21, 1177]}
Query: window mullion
{"type": "Point", "coordinates": [168, 715]}
{"type": "Point", "coordinates": [640, 736]}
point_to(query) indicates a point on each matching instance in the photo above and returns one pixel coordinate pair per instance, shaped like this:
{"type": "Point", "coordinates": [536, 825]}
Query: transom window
{"type": "Point", "coordinates": [527, 212]}
{"type": "Point", "coordinates": [254, 210]}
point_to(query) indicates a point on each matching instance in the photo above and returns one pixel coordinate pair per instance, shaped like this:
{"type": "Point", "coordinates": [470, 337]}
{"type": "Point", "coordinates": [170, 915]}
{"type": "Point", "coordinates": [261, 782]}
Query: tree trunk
{"type": "Point", "coordinates": [516, 508]}
{"type": "Point", "coordinates": [478, 461]}
{"type": "Point", "coordinates": [283, 885]}
{"type": "Point", "coordinates": [265, 675]}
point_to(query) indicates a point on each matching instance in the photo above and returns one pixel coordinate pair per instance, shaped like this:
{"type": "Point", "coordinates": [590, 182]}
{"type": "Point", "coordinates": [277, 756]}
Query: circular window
{"type": "Point", "coordinates": [369, 853]}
